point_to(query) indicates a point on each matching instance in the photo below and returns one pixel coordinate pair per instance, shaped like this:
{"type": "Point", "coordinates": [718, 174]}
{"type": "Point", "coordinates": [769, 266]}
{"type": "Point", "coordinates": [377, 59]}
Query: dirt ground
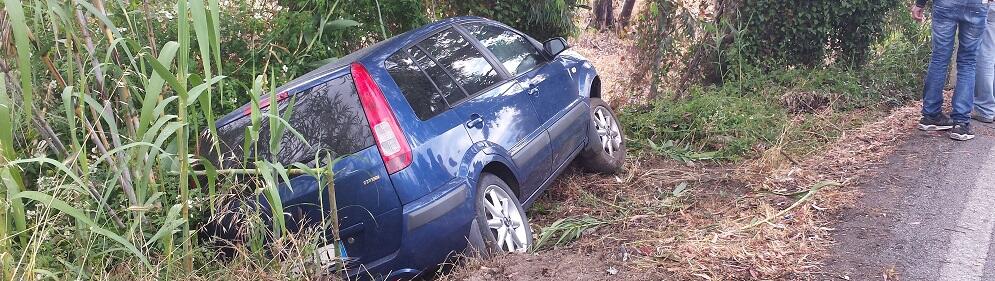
{"type": "Point", "coordinates": [711, 233]}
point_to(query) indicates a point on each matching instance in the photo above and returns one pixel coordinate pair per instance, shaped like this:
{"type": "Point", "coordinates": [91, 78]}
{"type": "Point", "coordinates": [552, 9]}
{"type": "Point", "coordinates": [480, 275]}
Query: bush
{"type": "Point", "coordinates": [810, 32]}
{"type": "Point", "coordinates": [541, 19]}
{"type": "Point", "coordinates": [750, 112]}
{"type": "Point", "coordinates": [297, 36]}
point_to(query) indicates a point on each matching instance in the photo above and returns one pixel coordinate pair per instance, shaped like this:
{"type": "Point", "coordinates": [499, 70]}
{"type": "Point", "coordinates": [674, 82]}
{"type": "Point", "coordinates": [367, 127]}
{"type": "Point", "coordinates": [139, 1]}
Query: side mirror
{"type": "Point", "coordinates": [555, 46]}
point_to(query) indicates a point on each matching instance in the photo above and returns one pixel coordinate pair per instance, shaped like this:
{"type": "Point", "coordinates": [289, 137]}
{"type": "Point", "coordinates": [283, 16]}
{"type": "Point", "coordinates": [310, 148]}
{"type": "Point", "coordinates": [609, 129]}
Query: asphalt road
{"type": "Point", "coordinates": [929, 214]}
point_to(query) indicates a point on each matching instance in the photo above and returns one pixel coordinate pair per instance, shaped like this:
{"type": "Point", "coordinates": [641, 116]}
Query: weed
{"type": "Point", "coordinates": [680, 153]}
{"type": "Point", "coordinates": [543, 208]}
{"type": "Point", "coordinates": [564, 231]}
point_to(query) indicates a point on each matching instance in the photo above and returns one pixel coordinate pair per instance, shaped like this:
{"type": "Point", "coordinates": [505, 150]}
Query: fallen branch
{"type": "Point", "coordinates": [811, 193]}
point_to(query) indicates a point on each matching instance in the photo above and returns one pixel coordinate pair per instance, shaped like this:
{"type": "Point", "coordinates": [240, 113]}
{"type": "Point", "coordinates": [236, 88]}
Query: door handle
{"type": "Point", "coordinates": [475, 121]}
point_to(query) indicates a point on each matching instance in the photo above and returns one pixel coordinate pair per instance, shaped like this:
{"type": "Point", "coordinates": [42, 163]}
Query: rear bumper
{"type": "Point", "coordinates": [435, 228]}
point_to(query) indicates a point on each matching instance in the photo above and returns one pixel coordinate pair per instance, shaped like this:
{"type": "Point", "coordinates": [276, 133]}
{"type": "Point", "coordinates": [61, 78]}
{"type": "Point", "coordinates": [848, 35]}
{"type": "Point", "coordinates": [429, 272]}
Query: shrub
{"type": "Point", "coordinates": [289, 38]}
{"type": "Point", "coordinates": [749, 112]}
{"type": "Point", "coordinates": [810, 32]}
{"type": "Point", "coordinates": [541, 19]}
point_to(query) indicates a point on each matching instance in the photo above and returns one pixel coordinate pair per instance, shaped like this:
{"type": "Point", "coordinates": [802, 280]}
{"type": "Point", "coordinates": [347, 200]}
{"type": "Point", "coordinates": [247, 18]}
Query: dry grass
{"type": "Point", "coordinates": [699, 235]}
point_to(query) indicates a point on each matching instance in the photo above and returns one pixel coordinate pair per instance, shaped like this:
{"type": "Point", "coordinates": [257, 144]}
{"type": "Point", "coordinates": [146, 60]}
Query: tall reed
{"type": "Point", "coordinates": [98, 147]}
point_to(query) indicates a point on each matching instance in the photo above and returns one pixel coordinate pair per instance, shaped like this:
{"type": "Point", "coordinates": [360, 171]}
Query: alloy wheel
{"type": "Point", "coordinates": [611, 138]}
{"type": "Point", "coordinates": [505, 220]}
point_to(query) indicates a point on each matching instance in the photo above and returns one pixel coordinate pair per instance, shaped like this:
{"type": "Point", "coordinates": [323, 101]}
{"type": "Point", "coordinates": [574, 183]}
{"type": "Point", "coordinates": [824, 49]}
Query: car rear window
{"type": "Point", "coordinates": [328, 116]}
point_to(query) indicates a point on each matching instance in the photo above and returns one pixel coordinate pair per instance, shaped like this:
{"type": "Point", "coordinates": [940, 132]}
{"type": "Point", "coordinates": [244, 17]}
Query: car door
{"type": "Point", "coordinates": [550, 87]}
{"type": "Point", "coordinates": [437, 136]}
{"type": "Point", "coordinates": [497, 111]}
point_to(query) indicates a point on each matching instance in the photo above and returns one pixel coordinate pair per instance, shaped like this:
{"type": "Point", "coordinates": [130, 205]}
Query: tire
{"type": "Point", "coordinates": [485, 237]}
{"type": "Point", "coordinates": [597, 156]}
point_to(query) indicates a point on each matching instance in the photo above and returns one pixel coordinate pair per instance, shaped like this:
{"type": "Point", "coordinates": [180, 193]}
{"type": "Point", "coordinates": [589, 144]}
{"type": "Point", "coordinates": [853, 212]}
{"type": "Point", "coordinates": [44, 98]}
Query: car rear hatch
{"type": "Point", "coordinates": [330, 123]}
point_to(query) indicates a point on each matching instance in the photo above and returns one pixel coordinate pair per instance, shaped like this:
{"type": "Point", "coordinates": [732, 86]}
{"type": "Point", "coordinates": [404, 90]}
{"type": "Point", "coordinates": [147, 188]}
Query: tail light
{"type": "Point", "coordinates": [390, 139]}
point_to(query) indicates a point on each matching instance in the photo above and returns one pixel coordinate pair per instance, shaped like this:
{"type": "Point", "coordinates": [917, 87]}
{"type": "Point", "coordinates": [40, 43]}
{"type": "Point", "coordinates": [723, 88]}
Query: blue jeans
{"type": "Point", "coordinates": [984, 93]}
{"type": "Point", "coordinates": [966, 19]}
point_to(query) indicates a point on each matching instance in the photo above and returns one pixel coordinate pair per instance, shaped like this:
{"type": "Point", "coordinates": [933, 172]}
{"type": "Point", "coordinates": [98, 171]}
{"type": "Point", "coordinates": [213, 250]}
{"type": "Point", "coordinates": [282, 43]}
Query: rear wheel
{"type": "Point", "coordinates": [605, 151]}
{"type": "Point", "coordinates": [501, 225]}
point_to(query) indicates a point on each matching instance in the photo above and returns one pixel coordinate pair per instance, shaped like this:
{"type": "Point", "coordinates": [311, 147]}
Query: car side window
{"type": "Point", "coordinates": [422, 94]}
{"type": "Point", "coordinates": [447, 87]}
{"type": "Point", "coordinates": [515, 52]}
{"type": "Point", "coordinates": [461, 59]}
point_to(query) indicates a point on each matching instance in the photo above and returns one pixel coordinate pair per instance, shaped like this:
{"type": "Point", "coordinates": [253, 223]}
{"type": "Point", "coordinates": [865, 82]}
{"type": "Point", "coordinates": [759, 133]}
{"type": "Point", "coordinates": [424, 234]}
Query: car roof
{"type": "Point", "coordinates": [380, 50]}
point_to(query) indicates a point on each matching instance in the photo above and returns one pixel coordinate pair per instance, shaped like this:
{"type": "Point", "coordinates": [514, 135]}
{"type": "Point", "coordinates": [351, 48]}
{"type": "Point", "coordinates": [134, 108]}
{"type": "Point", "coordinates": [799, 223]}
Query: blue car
{"type": "Point", "coordinates": [443, 135]}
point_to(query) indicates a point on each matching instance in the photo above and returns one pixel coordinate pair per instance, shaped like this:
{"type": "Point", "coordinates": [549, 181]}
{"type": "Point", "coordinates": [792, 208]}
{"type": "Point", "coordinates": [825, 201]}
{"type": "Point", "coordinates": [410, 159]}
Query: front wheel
{"type": "Point", "coordinates": [500, 219]}
{"type": "Point", "coordinates": [605, 151]}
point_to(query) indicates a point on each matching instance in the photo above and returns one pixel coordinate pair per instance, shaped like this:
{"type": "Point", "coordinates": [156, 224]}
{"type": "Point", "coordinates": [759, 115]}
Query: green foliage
{"type": "Point", "coordinates": [301, 35]}
{"type": "Point", "coordinates": [104, 171]}
{"type": "Point", "coordinates": [541, 19]}
{"type": "Point", "coordinates": [750, 110]}
{"type": "Point", "coordinates": [712, 119]}
{"type": "Point", "coordinates": [809, 32]}
{"type": "Point", "coordinates": [680, 153]}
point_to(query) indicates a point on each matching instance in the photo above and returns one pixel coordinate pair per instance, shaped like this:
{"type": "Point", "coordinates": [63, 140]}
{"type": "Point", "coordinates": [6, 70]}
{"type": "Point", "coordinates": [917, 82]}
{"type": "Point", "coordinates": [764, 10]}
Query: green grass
{"type": "Point", "coordinates": [745, 116]}
{"type": "Point", "coordinates": [564, 231]}
{"type": "Point", "coordinates": [712, 119]}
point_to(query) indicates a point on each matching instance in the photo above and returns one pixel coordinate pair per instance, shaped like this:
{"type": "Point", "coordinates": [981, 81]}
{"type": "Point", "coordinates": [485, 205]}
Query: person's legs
{"type": "Point", "coordinates": [971, 27]}
{"type": "Point", "coordinates": [944, 28]}
{"type": "Point", "coordinates": [945, 19]}
{"type": "Point", "coordinates": [984, 93]}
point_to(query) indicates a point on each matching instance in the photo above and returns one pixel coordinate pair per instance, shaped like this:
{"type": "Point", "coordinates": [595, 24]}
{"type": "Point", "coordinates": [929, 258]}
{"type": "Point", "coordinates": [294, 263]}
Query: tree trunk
{"type": "Point", "coordinates": [626, 14]}
{"type": "Point", "coordinates": [604, 14]}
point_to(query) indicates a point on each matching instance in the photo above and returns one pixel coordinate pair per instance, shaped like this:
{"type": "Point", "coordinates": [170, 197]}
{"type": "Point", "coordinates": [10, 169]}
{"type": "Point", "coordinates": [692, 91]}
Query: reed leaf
{"type": "Point", "coordinates": [214, 24]}
{"type": "Point", "coordinates": [67, 106]}
{"type": "Point", "coordinates": [197, 92]}
{"type": "Point", "coordinates": [271, 191]}
{"type": "Point", "coordinates": [100, 16]}
{"type": "Point", "coordinates": [163, 71]}
{"type": "Point", "coordinates": [154, 89]}
{"type": "Point", "coordinates": [11, 177]}
{"type": "Point", "coordinates": [205, 30]}
{"type": "Point", "coordinates": [112, 152]}
{"type": "Point", "coordinates": [168, 227]}
{"type": "Point", "coordinates": [22, 45]}
{"type": "Point", "coordinates": [6, 136]}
